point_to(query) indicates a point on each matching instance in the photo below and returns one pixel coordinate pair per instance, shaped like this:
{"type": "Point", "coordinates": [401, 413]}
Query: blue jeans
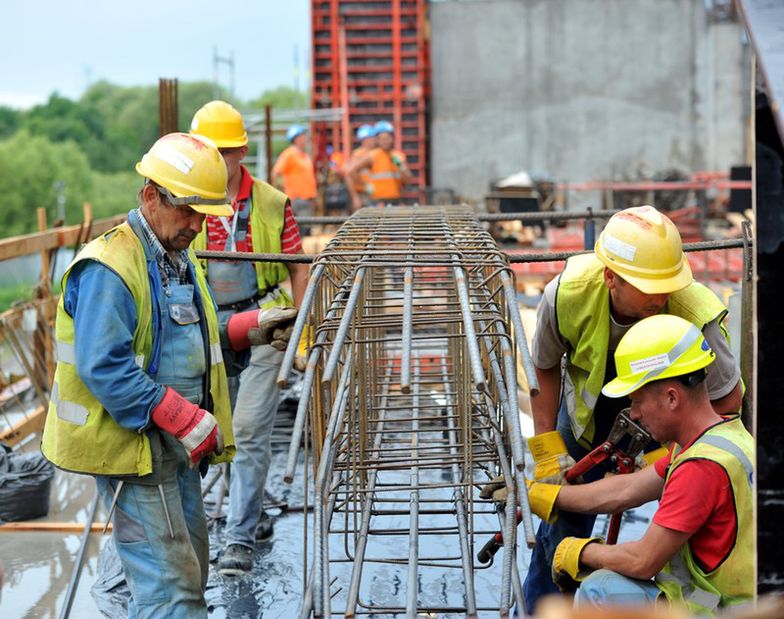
{"type": "Point", "coordinates": [606, 588]}
{"type": "Point", "coordinates": [166, 576]}
{"type": "Point", "coordinates": [539, 580]}
{"type": "Point", "coordinates": [253, 416]}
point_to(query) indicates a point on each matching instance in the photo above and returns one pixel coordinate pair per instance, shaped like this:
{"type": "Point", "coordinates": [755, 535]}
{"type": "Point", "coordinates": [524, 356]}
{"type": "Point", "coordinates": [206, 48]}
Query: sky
{"type": "Point", "coordinates": [64, 46]}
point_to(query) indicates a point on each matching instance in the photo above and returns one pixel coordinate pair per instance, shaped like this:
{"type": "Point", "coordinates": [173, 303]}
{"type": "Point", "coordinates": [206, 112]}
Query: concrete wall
{"type": "Point", "coordinates": [583, 89]}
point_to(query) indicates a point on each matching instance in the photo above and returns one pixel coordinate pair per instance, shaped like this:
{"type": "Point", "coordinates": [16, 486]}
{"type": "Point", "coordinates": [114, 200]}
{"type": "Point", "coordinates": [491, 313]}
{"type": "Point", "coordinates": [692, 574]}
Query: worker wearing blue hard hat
{"type": "Point", "coordinates": [294, 172]}
{"type": "Point", "coordinates": [385, 169]}
{"type": "Point", "coordinates": [366, 134]}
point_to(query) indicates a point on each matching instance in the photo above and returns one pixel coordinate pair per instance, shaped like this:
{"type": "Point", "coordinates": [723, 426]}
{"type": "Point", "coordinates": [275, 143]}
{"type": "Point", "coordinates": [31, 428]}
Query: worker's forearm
{"type": "Point", "coordinates": [625, 559]}
{"type": "Point", "coordinates": [299, 281]}
{"type": "Point", "coordinates": [730, 403]}
{"type": "Point", "coordinates": [544, 405]}
{"type": "Point", "coordinates": [609, 495]}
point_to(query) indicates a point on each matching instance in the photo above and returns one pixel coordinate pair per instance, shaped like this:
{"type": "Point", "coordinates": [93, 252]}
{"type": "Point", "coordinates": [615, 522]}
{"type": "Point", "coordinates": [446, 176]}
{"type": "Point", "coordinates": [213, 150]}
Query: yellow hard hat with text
{"type": "Point", "coordinates": [658, 347]}
{"type": "Point", "coordinates": [644, 248]}
{"type": "Point", "coordinates": [191, 169]}
{"type": "Point", "coordinates": [220, 122]}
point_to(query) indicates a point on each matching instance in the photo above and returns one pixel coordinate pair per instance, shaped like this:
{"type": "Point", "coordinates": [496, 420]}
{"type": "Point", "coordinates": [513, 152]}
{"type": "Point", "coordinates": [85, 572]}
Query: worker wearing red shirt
{"type": "Point", "coordinates": [262, 221]}
{"type": "Point", "coordinates": [698, 551]}
{"type": "Point", "coordinates": [387, 170]}
{"type": "Point", "coordinates": [294, 171]}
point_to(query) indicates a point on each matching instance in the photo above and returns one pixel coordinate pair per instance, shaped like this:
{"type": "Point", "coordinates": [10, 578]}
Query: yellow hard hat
{"type": "Point", "coordinates": [191, 169]}
{"type": "Point", "coordinates": [220, 122]}
{"type": "Point", "coordinates": [644, 247]}
{"type": "Point", "coordinates": [658, 347]}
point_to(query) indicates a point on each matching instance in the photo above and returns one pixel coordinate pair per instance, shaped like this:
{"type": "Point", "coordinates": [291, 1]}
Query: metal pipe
{"type": "Point", "coordinates": [299, 325]}
{"type": "Point", "coordinates": [76, 573]}
{"type": "Point", "coordinates": [413, 536]}
{"type": "Point", "coordinates": [545, 256]}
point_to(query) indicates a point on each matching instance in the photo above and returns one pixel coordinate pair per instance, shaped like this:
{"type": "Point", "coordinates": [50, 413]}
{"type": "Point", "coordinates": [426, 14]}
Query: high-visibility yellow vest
{"type": "Point", "coordinates": [80, 435]}
{"type": "Point", "coordinates": [267, 218]}
{"type": "Point", "coordinates": [583, 314]}
{"type": "Point", "coordinates": [682, 581]}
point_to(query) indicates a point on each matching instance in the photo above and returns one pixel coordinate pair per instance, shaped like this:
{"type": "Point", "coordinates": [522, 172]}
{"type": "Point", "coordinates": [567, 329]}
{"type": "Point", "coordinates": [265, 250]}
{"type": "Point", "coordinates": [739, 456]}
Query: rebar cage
{"type": "Point", "coordinates": [410, 394]}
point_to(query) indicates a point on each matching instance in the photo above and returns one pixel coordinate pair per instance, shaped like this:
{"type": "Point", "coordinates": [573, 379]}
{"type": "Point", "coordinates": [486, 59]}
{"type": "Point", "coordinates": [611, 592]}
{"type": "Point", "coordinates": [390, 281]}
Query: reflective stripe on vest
{"type": "Point", "coordinates": [681, 576]}
{"type": "Point", "coordinates": [68, 411]}
{"type": "Point", "coordinates": [383, 175]}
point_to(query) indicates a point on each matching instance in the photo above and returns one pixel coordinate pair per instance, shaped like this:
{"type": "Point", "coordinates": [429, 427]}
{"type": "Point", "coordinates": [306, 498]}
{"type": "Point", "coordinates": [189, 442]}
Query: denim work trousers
{"type": "Point", "coordinates": [166, 576]}
{"type": "Point", "coordinates": [539, 580]}
{"type": "Point", "coordinates": [606, 588]}
{"type": "Point", "coordinates": [253, 416]}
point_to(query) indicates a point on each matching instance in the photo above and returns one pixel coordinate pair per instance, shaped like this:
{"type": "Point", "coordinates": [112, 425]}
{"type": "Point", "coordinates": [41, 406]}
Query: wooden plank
{"type": "Point", "coordinates": [26, 244]}
{"type": "Point", "coordinates": [30, 526]}
{"type": "Point", "coordinates": [33, 423]}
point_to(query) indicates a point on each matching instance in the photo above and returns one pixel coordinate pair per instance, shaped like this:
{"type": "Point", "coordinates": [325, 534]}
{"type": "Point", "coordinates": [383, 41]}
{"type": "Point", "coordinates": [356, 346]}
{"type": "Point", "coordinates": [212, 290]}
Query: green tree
{"type": "Point", "coordinates": [113, 193]}
{"type": "Point", "coordinates": [10, 121]}
{"type": "Point", "coordinates": [281, 98]}
{"type": "Point", "coordinates": [29, 167]}
{"type": "Point", "coordinates": [62, 120]}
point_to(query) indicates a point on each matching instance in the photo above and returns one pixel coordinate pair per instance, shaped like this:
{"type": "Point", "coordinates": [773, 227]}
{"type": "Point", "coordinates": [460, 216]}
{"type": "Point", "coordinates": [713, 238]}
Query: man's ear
{"type": "Point", "coordinates": [609, 278]}
{"type": "Point", "coordinates": [150, 194]}
{"type": "Point", "coordinates": [674, 397]}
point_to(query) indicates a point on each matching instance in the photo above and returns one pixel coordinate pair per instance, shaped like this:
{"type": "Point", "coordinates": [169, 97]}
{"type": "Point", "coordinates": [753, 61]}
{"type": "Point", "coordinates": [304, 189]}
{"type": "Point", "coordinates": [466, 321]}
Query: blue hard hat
{"type": "Point", "coordinates": [294, 131]}
{"type": "Point", "coordinates": [366, 131]}
{"type": "Point", "coordinates": [383, 126]}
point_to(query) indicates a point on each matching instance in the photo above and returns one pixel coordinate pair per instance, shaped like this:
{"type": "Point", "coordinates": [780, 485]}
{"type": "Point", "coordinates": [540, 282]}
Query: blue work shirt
{"type": "Point", "coordinates": [105, 318]}
{"type": "Point", "coordinates": [104, 315]}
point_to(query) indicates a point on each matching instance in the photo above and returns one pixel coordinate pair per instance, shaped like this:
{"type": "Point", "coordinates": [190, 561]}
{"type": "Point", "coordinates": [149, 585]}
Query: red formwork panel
{"type": "Point", "coordinates": [372, 57]}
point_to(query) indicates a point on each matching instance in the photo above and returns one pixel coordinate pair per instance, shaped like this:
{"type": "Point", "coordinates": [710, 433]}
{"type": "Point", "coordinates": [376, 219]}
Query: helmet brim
{"type": "Point", "coordinates": [618, 387]}
{"type": "Point", "coordinates": [227, 143]}
{"type": "Point", "coordinates": [219, 210]}
{"type": "Point", "coordinates": [662, 285]}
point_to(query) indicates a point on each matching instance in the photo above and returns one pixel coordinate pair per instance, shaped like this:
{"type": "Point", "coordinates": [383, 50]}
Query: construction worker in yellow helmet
{"type": "Point", "coordinates": [698, 550]}
{"type": "Point", "coordinates": [260, 219]}
{"type": "Point", "coordinates": [638, 269]}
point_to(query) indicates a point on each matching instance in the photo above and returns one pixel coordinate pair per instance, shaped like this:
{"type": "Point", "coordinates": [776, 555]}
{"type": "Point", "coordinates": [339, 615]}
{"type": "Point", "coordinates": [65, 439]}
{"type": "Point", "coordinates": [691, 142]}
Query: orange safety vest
{"type": "Point", "coordinates": [384, 175]}
{"type": "Point", "coordinates": [360, 184]}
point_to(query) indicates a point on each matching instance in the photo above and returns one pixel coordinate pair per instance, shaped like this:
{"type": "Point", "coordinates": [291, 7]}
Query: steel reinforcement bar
{"type": "Point", "coordinates": [410, 400]}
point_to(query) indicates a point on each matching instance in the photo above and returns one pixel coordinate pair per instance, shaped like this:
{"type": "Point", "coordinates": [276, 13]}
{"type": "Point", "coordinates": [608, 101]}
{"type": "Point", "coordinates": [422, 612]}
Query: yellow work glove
{"type": "Point", "coordinates": [566, 562]}
{"type": "Point", "coordinates": [646, 459]}
{"type": "Point", "coordinates": [541, 498]}
{"type": "Point", "coordinates": [550, 457]}
{"type": "Point", "coordinates": [301, 359]}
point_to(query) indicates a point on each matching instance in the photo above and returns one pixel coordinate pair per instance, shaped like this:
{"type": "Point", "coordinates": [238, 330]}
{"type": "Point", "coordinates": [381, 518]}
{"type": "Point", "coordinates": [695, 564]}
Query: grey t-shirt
{"type": "Point", "coordinates": [548, 346]}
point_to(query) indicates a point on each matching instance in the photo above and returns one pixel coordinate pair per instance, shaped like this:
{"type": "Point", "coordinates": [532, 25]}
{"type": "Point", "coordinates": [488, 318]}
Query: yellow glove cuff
{"type": "Point", "coordinates": [656, 454]}
{"type": "Point", "coordinates": [304, 342]}
{"type": "Point", "coordinates": [541, 498]}
{"type": "Point", "coordinates": [546, 445]}
{"type": "Point", "coordinates": [567, 557]}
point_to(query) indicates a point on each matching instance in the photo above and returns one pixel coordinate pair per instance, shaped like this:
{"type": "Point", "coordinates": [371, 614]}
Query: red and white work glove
{"type": "Point", "coordinates": [194, 427]}
{"type": "Point", "coordinates": [271, 326]}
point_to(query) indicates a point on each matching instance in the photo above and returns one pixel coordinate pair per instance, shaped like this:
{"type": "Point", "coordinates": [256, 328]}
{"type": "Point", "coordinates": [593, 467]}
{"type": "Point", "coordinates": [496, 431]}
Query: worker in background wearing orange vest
{"type": "Point", "coordinates": [366, 134]}
{"type": "Point", "coordinates": [387, 169]}
{"type": "Point", "coordinates": [295, 173]}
